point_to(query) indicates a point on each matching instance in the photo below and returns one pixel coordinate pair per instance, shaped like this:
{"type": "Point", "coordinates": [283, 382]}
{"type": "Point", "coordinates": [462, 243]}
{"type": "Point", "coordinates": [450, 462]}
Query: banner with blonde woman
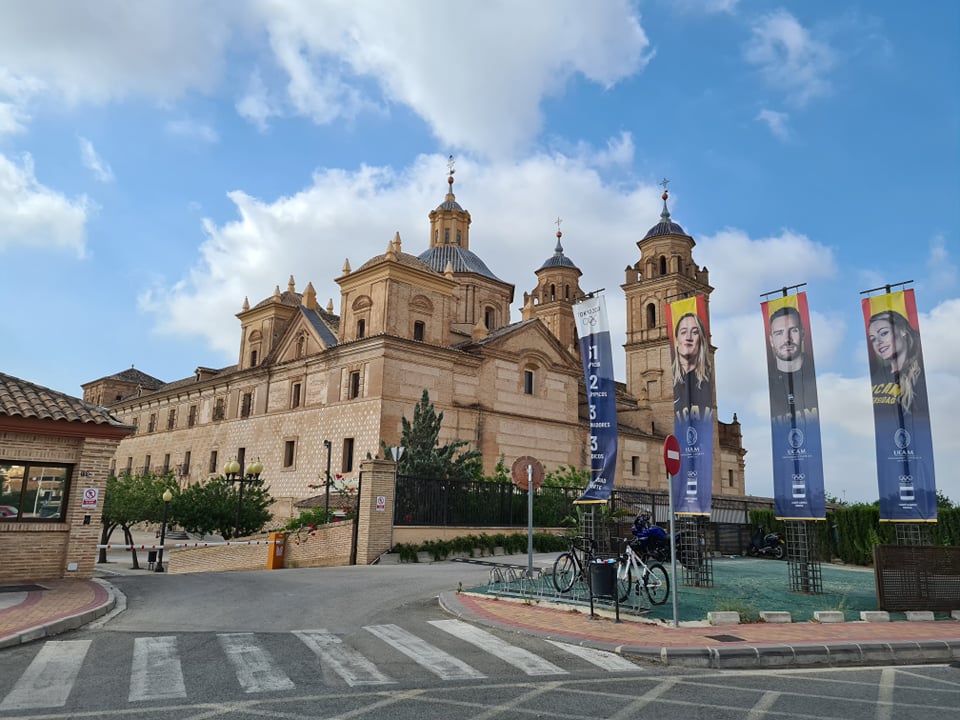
{"type": "Point", "coordinates": [597, 356]}
{"type": "Point", "coordinates": [794, 410]}
{"type": "Point", "coordinates": [693, 404]}
{"type": "Point", "coordinates": [901, 420]}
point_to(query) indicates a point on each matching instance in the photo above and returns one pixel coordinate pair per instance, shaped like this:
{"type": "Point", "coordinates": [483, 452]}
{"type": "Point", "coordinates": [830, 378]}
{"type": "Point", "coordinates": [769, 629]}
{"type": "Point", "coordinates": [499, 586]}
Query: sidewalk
{"type": "Point", "coordinates": [60, 605]}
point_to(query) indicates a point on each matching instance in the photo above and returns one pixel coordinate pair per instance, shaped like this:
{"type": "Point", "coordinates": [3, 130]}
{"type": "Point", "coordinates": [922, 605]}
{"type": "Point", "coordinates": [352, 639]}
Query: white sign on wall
{"type": "Point", "coordinates": [90, 497]}
{"type": "Point", "coordinates": [381, 503]}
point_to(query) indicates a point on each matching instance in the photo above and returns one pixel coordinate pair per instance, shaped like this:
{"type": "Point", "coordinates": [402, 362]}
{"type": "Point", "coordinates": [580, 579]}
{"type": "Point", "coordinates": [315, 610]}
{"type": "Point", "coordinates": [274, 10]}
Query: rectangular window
{"type": "Point", "coordinates": [289, 453]}
{"type": "Point", "coordinates": [242, 458]}
{"type": "Point", "coordinates": [171, 419]}
{"type": "Point", "coordinates": [634, 465]}
{"type": "Point", "coordinates": [146, 465]}
{"type": "Point", "coordinates": [295, 395]}
{"type": "Point", "coordinates": [129, 470]}
{"type": "Point", "coordinates": [528, 382]}
{"type": "Point", "coordinates": [136, 424]}
{"type": "Point", "coordinates": [185, 467]}
{"type": "Point", "coordinates": [361, 329]}
{"type": "Point", "coordinates": [354, 390]}
{"type": "Point", "coordinates": [418, 328]}
{"type": "Point", "coordinates": [253, 358]}
{"type": "Point", "coordinates": [729, 478]}
{"type": "Point", "coordinates": [192, 416]}
{"type": "Point", "coordinates": [152, 427]}
{"type": "Point", "coordinates": [346, 464]}
{"type": "Point", "coordinates": [246, 404]}
{"type": "Point", "coordinates": [212, 469]}
{"type": "Point", "coordinates": [166, 463]}
{"type": "Point", "coordinates": [218, 409]}
{"type": "Point", "coordinates": [33, 491]}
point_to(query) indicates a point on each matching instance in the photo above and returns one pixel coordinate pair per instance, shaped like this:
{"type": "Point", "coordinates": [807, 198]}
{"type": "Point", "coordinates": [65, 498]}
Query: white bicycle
{"type": "Point", "coordinates": [633, 573]}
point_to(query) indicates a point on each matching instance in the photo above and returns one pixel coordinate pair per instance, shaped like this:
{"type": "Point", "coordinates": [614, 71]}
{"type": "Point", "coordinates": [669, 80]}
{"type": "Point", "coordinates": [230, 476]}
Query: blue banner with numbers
{"type": "Point", "coordinates": [597, 356]}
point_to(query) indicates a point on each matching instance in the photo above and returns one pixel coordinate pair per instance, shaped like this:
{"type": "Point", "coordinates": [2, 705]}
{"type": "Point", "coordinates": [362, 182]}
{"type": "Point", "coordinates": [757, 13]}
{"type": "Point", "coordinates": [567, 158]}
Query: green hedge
{"type": "Point", "coordinates": [850, 533]}
{"type": "Point", "coordinates": [512, 544]}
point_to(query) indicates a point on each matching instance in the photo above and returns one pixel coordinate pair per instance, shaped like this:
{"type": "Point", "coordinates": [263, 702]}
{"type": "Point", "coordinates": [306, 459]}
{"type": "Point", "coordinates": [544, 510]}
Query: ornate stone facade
{"type": "Point", "coordinates": [440, 321]}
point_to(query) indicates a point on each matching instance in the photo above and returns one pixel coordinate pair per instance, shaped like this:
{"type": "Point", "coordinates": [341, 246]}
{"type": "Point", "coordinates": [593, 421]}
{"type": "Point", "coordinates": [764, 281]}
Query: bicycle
{"type": "Point", "coordinates": [652, 578]}
{"type": "Point", "coordinates": [572, 564]}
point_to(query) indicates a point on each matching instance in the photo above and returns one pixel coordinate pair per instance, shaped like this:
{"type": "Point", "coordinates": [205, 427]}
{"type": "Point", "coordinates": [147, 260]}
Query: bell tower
{"type": "Point", "coordinates": [558, 289]}
{"type": "Point", "coordinates": [665, 272]}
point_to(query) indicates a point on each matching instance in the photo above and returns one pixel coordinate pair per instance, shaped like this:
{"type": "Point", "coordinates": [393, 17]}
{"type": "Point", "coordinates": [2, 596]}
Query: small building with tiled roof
{"type": "Point", "coordinates": [55, 456]}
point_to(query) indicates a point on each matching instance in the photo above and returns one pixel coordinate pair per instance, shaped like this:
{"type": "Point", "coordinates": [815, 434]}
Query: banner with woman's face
{"type": "Point", "coordinates": [693, 403]}
{"type": "Point", "coordinates": [794, 410]}
{"type": "Point", "coordinates": [905, 472]}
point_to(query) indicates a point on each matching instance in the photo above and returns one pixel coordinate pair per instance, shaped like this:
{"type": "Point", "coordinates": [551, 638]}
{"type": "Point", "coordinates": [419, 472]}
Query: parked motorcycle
{"type": "Point", "coordinates": [764, 544]}
{"type": "Point", "coordinates": [650, 540]}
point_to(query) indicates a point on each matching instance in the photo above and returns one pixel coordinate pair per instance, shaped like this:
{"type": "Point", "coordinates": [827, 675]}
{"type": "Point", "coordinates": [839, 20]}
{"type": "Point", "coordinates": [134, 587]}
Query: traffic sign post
{"type": "Point", "coordinates": [671, 460]}
{"type": "Point", "coordinates": [527, 475]}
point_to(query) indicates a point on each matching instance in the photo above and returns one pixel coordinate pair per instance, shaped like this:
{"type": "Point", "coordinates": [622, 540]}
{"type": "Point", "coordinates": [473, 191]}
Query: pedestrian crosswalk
{"type": "Point", "coordinates": [158, 665]}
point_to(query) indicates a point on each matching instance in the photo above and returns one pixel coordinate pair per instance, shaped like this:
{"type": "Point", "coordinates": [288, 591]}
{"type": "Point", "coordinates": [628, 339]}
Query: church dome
{"type": "Point", "coordinates": [460, 259]}
{"type": "Point", "coordinates": [558, 259]}
{"type": "Point", "coordinates": [666, 226]}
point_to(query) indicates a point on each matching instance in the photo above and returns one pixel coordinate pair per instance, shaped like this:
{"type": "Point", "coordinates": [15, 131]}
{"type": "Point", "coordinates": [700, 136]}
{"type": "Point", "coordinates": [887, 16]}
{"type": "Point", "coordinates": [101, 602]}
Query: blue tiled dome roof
{"type": "Point", "coordinates": [460, 259]}
{"type": "Point", "coordinates": [664, 227]}
{"type": "Point", "coordinates": [558, 259]}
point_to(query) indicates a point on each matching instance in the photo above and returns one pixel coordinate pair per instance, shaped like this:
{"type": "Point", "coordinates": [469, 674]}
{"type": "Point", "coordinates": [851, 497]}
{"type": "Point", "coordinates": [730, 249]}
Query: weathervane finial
{"type": "Point", "coordinates": [450, 164]}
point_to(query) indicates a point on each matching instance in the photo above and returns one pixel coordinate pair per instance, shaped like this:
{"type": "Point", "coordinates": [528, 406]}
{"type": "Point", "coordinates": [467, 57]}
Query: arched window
{"type": "Point", "coordinates": [566, 292]}
{"type": "Point", "coordinates": [301, 346]}
{"type": "Point", "coordinates": [446, 236]}
{"type": "Point", "coordinates": [663, 265]}
{"type": "Point", "coordinates": [553, 292]}
{"type": "Point", "coordinates": [489, 318]}
{"type": "Point", "coordinates": [651, 316]}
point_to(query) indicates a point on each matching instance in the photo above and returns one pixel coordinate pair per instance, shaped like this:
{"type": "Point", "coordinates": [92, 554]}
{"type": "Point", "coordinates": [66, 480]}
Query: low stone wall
{"type": "Point", "coordinates": [327, 546]}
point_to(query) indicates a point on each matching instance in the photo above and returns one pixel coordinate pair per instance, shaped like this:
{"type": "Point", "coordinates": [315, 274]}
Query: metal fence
{"type": "Point", "coordinates": [917, 577]}
{"type": "Point", "coordinates": [462, 503]}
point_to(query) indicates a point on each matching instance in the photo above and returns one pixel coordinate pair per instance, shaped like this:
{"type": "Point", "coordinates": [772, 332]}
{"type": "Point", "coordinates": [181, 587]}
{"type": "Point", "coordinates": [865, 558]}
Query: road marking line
{"type": "Point", "coordinates": [350, 665]}
{"type": "Point", "coordinates": [885, 706]}
{"type": "Point", "coordinates": [611, 662]}
{"type": "Point", "coordinates": [48, 680]}
{"type": "Point", "coordinates": [155, 672]}
{"type": "Point", "coordinates": [255, 668]}
{"type": "Point", "coordinates": [760, 708]}
{"type": "Point", "coordinates": [518, 657]}
{"type": "Point", "coordinates": [441, 664]}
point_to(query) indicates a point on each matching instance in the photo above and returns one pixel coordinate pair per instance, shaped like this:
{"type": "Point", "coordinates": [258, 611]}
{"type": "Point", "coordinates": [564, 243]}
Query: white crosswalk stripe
{"type": "Point", "coordinates": [518, 657]}
{"type": "Point", "coordinates": [155, 673]}
{"type": "Point", "coordinates": [440, 663]}
{"type": "Point", "coordinates": [255, 668]}
{"type": "Point", "coordinates": [611, 662]}
{"type": "Point", "coordinates": [350, 665]}
{"type": "Point", "coordinates": [48, 680]}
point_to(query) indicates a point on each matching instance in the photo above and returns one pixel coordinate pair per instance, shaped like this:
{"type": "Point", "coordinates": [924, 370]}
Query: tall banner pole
{"type": "Point", "coordinates": [905, 473]}
{"type": "Point", "coordinates": [671, 460]}
{"type": "Point", "coordinates": [529, 521]}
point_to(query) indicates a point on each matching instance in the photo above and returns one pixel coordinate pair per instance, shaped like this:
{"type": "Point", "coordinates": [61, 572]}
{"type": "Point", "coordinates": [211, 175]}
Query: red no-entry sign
{"type": "Point", "coordinates": [671, 454]}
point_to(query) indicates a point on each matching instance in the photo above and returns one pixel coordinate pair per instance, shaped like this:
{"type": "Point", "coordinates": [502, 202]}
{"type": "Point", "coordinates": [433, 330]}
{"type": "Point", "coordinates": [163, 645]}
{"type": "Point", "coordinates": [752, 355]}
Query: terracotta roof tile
{"type": "Point", "coordinates": [19, 398]}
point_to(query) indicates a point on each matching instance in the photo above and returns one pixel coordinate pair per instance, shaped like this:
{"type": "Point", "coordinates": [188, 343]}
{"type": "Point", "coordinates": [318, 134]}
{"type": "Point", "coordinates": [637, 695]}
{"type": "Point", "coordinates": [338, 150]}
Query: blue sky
{"type": "Point", "coordinates": [155, 171]}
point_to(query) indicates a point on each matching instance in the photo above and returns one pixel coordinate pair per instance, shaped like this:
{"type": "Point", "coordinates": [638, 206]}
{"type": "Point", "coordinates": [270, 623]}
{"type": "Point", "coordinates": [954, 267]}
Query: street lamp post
{"type": "Point", "coordinates": [326, 484]}
{"type": "Point", "coordinates": [167, 497]}
{"type": "Point", "coordinates": [231, 472]}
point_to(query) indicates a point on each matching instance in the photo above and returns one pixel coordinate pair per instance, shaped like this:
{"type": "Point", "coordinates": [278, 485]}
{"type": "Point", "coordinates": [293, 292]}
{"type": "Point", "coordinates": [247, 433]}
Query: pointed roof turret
{"type": "Point", "coordinates": [666, 226]}
{"type": "Point", "coordinates": [558, 259]}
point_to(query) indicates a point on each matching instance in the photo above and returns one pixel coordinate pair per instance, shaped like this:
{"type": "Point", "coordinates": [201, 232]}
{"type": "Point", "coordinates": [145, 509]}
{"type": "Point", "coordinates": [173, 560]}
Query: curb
{"type": "Point", "coordinates": [755, 656]}
{"type": "Point", "coordinates": [64, 624]}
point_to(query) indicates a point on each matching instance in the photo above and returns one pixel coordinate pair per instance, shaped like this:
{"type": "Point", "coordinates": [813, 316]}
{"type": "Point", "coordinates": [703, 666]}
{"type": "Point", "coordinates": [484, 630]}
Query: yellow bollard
{"type": "Point", "coordinates": [275, 556]}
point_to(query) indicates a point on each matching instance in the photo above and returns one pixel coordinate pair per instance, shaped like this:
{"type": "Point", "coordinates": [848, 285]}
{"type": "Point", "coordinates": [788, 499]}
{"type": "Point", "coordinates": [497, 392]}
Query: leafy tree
{"type": "Point", "coordinates": [943, 502]}
{"type": "Point", "coordinates": [132, 499]}
{"type": "Point", "coordinates": [423, 455]}
{"type": "Point", "coordinates": [211, 507]}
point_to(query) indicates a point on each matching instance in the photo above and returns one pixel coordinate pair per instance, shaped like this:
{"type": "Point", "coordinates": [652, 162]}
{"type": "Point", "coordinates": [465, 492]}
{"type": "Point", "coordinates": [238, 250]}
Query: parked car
{"type": "Point", "coordinates": [8, 511]}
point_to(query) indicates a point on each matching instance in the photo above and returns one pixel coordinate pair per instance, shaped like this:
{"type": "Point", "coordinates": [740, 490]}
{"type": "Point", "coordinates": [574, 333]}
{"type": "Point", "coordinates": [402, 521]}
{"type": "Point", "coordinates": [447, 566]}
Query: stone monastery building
{"type": "Point", "coordinates": [439, 320]}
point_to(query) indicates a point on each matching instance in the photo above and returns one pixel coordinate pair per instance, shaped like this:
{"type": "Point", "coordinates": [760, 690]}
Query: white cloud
{"type": "Point", "coordinates": [192, 129]}
{"type": "Point", "coordinates": [35, 216]}
{"type": "Point", "coordinates": [478, 89]}
{"type": "Point", "coordinates": [789, 57]}
{"type": "Point", "coordinates": [12, 119]}
{"type": "Point", "coordinates": [704, 7]}
{"type": "Point", "coordinates": [93, 162]}
{"type": "Point", "coordinates": [942, 269]}
{"type": "Point", "coordinates": [776, 122]}
{"type": "Point", "coordinates": [96, 52]}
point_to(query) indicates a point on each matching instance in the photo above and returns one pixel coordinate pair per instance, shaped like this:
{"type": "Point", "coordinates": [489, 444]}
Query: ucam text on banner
{"type": "Point", "coordinates": [901, 418]}
{"type": "Point", "coordinates": [693, 404]}
{"type": "Point", "coordinates": [794, 411]}
{"type": "Point", "coordinates": [595, 351]}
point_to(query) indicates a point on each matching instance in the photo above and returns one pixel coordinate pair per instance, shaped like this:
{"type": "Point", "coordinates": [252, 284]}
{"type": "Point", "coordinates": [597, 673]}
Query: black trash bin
{"type": "Point", "coordinates": [603, 577]}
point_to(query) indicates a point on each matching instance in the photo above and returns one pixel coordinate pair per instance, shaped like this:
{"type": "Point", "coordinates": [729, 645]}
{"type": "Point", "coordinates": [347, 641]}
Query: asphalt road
{"type": "Point", "coordinates": [372, 642]}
